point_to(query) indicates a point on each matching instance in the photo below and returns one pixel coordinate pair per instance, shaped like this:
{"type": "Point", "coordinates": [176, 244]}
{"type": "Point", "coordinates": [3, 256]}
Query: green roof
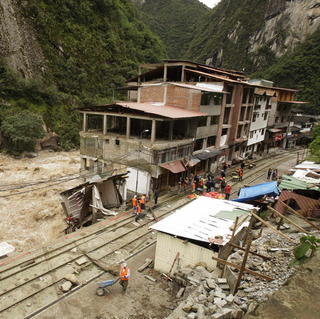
{"type": "Point", "coordinates": [291, 183]}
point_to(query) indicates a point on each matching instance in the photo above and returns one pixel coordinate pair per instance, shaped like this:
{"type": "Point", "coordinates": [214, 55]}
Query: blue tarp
{"type": "Point", "coordinates": [258, 191]}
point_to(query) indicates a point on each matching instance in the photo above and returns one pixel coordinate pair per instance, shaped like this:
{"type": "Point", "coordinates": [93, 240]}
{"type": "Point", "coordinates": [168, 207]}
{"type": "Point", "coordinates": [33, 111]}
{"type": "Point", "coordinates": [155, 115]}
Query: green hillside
{"type": "Point", "coordinates": [174, 21]}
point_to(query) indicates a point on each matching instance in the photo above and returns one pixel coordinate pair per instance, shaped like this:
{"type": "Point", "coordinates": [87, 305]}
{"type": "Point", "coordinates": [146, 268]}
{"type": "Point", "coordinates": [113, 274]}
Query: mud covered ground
{"type": "Point", "coordinates": [32, 218]}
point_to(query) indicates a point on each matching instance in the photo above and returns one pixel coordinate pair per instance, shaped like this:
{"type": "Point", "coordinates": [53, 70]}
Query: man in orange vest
{"type": "Point", "coordinates": [134, 203]}
{"type": "Point", "coordinates": [227, 191]}
{"type": "Point", "coordinates": [124, 276]}
{"type": "Point", "coordinates": [138, 212]}
{"type": "Point", "coordinates": [143, 202]}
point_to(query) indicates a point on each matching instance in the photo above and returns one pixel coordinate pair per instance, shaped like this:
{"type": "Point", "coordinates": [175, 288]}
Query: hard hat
{"type": "Point", "coordinates": [124, 264]}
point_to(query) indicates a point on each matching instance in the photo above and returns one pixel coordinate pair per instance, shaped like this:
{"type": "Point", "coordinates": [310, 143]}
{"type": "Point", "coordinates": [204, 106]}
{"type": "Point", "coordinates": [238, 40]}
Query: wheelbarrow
{"type": "Point", "coordinates": [235, 177]}
{"type": "Point", "coordinates": [102, 289]}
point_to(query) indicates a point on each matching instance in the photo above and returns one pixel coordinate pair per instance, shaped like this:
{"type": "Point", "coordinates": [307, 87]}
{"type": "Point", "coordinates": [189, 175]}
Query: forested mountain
{"type": "Point", "coordinates": [57, 54]}
{"type": "Point", "coordinates": [174, 21]}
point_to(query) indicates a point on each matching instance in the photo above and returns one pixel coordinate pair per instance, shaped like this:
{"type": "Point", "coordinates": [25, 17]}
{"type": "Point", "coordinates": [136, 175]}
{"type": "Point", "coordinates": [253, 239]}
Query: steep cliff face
{"type": "Point", "coordinates": [19, 47]}
{"type": "Point", "coordinates": [251, 34]}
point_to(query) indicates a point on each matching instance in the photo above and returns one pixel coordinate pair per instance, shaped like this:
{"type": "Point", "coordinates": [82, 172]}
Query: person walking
{"type": "Point", "coordinates": [240, 174]}
{"type": "Point", "coordinates": [269, 174]}
{"type": "Point", "coordinates": [225, 167]}
{"type": "Point", "coordinates": [274, 174]}
{"type": "Point", "coordinates": [223, 184]}
{"type": "Point", "coordinates": [156, 195]}
{"type": "Point", "coordinates": [138, 212]}
{"type": "Point", "coordinates": [242, 165]}
{"type": "Point", "coordinates": [124, 276]}
{"type": "Point", "coordinates": [227, 191]}
{"type": "Point", "coordinates": [142, 202]}
{"type": "Point", "coordinates": [134, 202]}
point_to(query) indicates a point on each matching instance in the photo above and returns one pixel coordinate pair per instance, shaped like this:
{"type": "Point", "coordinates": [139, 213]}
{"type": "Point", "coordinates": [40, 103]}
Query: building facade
{"type": "Point", "coordinates": [180, 118]}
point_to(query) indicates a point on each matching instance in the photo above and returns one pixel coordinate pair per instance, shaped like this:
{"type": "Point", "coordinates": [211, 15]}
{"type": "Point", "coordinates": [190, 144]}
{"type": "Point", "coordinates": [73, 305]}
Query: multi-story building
{"type": "Point", "coordinates": [182, 117]}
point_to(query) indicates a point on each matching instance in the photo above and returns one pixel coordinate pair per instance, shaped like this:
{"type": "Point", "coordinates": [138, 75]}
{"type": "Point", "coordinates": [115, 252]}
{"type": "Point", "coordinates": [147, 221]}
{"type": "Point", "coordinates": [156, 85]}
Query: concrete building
{"type": "Point", "coordinates": [196, 237]}
{"type": "Point", "coordinates": [182, 118]}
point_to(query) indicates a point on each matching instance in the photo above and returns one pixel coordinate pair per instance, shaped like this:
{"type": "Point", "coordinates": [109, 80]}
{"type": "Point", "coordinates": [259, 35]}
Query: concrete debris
{"type": "Point", "coordinates": [73, 279]}
{"type": "Point", "coordinates": [82, 260]}
{"type": "Point", "coordinates": [66, 286]}
{"type": "Point", "coordinates": [207, 296]}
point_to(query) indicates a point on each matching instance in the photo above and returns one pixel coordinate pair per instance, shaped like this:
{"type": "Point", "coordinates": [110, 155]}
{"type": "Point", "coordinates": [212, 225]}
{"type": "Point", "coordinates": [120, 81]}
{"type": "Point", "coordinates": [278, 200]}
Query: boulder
{"type": "Point", "coordinates": [66, 286]}
{"type": "Point", "coordinates": [187, 307]}
{"type": "Point", "coordinates": [72, 278]}
{"type": "Point", "coordinates": [211, 283]}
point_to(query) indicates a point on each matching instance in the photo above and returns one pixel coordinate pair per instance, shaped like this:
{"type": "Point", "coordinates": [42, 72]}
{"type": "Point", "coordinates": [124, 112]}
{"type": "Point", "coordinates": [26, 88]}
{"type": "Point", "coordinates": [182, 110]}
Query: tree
{"type": "Point", "coordinates": [21, 131]}
{"type": "Point", "coordinates": [315, 144]}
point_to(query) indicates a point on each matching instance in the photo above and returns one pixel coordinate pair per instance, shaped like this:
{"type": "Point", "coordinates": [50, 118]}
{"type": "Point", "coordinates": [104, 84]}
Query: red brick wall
{"type": "Point", "coordinates": [183, 97]}
{"type": "Point", "coordinates": [152, 94]}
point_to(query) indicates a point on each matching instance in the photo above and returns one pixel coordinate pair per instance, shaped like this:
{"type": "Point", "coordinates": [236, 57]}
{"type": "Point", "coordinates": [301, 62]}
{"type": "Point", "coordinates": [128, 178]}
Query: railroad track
{"type": "Point", "coordinates": [31, 283]}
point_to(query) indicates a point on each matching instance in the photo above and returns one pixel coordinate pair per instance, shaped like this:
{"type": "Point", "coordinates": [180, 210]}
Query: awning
{"type": "Point", "coordinates": [207, 154]}
{"type": "Point", "coordinates": [193, 161]}
{"type": "Point", "coordinates": [174, 167]}
{"type": "Point", "coordinates": [258, 191]}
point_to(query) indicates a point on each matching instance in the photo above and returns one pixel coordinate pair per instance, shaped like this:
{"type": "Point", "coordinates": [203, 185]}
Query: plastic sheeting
{"type": "Point", "coordinates": [258, 191]}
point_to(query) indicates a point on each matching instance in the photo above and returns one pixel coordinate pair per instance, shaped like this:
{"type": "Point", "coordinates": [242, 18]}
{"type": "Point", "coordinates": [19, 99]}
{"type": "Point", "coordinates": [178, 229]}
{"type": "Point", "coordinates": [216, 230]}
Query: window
{"type": "Point", "coordinates": [254, 117]}
{"type": "Point", "coordinates": [245, 95]}
{"type": "Point", "coordinates": [229, 95]}
{"type": "Point", "coordinates": [211, 141]}
{"type": "Point", "coordinates": [226, 115]}
{"type": "Point", "coordinates": [224, 131]}
{"type": "Point", "coordinates": [265, 116]}
{"type": "Point", "coordinates": [117, 141]}
{"type": "Point", "coordinates": [205, 99]}
{"type": "Point", "coordinates": [198, 144]}
{"type": "Point", "coordinates": [217, 99]}
{"type": "Point", "coordinates": [214, 120]}
{"type": "Point", "coordinates": [242, 113]}
{"type": "Point", "coordinates": [202, 121]}
{"type": "Point", "coordinates": [251, 134]}
{"type": "Point", "coordinates": [262, 132]}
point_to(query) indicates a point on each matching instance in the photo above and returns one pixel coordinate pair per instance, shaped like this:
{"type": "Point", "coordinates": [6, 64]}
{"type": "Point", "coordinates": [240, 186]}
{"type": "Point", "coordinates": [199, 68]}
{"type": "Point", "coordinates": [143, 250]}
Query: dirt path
{"type": "Point", "coordinates": [34, 218]}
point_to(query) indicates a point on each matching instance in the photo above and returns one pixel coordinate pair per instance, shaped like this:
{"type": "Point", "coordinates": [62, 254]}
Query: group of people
{"type": "Point", "coordinates": [272, 174]}
{"type": "Point", "coordinates": [138, 205]}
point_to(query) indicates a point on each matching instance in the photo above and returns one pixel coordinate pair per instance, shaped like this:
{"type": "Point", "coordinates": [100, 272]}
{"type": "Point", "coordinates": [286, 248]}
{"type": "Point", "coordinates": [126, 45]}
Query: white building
{"type": "Point", "coordinates": [197, 231]}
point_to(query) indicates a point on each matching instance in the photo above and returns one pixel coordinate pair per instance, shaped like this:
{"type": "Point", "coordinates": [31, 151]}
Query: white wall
{"type": "Point", "coordinates": [190, 254]}
{"type": "Point", "coordinates": [144, 179]}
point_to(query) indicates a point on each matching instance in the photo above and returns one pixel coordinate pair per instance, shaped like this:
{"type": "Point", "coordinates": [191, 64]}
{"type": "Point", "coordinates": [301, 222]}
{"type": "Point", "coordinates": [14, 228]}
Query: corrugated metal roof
{"type": "Point", "coordinates": [204, 218]}
{"type": "Point", "coordinates": [306, 204]}
{"type": "Point", "coordinates": [292, 183]}
{"type": "Point", "coordinates": [307, 176]}
{"type": "Point", "coordinates": [162, 110]}
{"type": "Point", "coordinates": [150, 108]}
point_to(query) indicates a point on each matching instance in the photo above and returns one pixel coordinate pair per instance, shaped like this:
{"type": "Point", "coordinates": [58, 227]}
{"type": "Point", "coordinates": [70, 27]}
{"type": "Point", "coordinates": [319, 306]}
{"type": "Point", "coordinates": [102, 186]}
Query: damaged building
{"type": "Point", "coordinates": [181, 118]}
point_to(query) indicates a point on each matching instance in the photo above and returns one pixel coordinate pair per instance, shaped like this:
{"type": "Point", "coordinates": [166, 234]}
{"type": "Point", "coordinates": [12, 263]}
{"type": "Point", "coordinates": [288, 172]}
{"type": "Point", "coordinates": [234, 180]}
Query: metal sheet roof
{"type": "Point", "coordinates": [162, 110]}
{"type": "Point", "coordinates": [308, 165]}
{"type": "Point", "coordinates": [205, 87]}
{"type": "Point", "coordinates": [307, 176]}
{"type": "Point", "coordinates": [174, 167]}
{"type": "Point", "coordinates": [292, 183]}
{"type": "Point", "coordinates": [204, 218]}
{"type": "Point", "coordinates": [207, 154]}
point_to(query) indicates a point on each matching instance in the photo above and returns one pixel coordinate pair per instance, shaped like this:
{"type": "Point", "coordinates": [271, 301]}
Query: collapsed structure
{"type": "Point", "coordinates": [184, 117]}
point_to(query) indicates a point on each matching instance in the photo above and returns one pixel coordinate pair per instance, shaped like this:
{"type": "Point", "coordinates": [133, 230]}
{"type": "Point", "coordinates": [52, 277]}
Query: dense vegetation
{"type": "Point", "coordinates": [175, 21]}
{"type": "Point", "coordinates": [301, 70]}
{"type": "Point", "coordinates": [90, 46]}
{"type": "Point", "coordinates": [315, 145]}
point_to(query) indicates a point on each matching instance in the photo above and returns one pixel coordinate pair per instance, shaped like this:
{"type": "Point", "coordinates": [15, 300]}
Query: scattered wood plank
{"type": "Point", "coordinates": [271, 227]}
{"type": "Point", "coordinates": [300, 215]}
{"type": "Point", "coordinates": [251, 252]}
{"type": "Point", "coordinates": [249, 271]}
{"type": "Point", "coordinates": [243, 265]}
{"type": "Point", "coordinates": [150, 278]}
{"type": "Point", "coordinates": [147, 263]}
{"type": "Point", "coordinates": [288, 220]}
{"type": "Point", "coordinates": [166, 276]}
{"type": "Point", "coordinates": [174, 261]}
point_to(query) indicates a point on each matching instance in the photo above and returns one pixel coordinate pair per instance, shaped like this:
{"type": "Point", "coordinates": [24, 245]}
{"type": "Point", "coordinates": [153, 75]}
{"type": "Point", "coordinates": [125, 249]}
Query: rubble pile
{"type": "Point", "coordinates": [280, 252]}
{"type": "Point", "coordinates": [206, 296]}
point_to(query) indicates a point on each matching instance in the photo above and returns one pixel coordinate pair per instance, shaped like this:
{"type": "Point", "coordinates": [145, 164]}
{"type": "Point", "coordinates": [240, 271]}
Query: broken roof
{"type": "Point", "coordinates": [204, 218]}
{"type": "Point", "coordinates": [155, 108]}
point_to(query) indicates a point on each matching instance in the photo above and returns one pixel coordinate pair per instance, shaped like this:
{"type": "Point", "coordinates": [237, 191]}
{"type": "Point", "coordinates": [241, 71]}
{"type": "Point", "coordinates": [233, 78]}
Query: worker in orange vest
{"type": "Point", "coordinates": [134, 202]}
{"type": "Point", "coordinates": [143, 202]}
{"type": "Point", "coordinates": [227, 191]}
{"type": "Point", "coordinates": [138, 211]}
{"type": "Point", "coordinates": [124, 276]}
{"type": "Point", "coordinates": [240, 172]}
